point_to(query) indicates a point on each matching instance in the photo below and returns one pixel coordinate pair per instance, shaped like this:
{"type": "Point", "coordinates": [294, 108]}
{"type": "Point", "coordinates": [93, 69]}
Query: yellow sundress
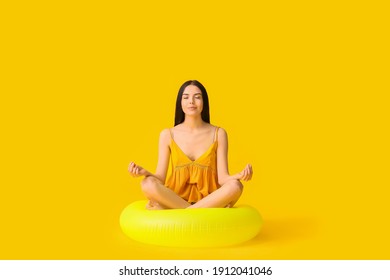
{"type": "Point", "coordinates": [193, 179]}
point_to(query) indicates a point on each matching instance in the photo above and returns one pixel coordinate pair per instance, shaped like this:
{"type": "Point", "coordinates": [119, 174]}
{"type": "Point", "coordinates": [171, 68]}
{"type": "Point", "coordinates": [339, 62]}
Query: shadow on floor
{"type": "Point", "coordinates": [285, 230]}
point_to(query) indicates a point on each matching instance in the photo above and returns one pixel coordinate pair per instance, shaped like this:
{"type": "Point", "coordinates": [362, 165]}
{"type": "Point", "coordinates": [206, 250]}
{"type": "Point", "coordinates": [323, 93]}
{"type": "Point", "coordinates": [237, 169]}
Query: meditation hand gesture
{"type": "Point", "coordinates": [245, 174]}
{"type": "Point", "coordinates": [136, 170]}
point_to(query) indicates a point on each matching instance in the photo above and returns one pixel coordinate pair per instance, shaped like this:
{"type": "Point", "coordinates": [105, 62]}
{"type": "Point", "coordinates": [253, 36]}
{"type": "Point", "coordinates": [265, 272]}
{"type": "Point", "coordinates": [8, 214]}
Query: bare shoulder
{"type": "Point", "coordinates": [222, 134]}
{"type": "Point", "coordinates": [165, 135]}
{"type": "Point", "coordinates": [164, 132]}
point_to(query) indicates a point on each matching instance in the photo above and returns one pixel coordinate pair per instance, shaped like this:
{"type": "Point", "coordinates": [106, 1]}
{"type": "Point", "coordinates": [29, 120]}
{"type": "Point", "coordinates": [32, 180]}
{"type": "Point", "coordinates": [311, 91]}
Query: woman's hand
{"type": "Point", "coordinates": [136, 170]}
{"type": "Point", "coordinates": [245, 174]}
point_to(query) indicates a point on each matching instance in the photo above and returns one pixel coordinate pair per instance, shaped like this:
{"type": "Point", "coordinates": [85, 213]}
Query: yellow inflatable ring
{"type": "Point", "coordinates": [202, 227]}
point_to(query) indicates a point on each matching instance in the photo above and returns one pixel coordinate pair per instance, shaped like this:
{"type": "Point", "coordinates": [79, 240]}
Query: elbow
{"type": "Point", "coordinates": [160, 178]}
{"type": "Point", "coordinates": [223, 180]}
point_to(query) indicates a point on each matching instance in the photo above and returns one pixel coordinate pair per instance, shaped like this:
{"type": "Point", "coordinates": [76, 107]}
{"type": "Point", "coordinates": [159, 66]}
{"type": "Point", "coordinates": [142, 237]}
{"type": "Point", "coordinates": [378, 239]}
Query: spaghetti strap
{"type": "Point", "coordinates": [216, 133]}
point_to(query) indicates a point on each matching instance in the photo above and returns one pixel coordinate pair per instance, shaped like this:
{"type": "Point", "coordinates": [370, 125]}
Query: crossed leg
{"type": "Point", "coordinates": [162, 197]}
{"type": "Point", "coordinates": [226, 196]}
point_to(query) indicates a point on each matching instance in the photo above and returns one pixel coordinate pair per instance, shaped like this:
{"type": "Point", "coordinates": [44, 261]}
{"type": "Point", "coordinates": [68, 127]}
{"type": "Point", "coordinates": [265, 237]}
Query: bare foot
{"type": "Point", "coordinates": [152, 205]}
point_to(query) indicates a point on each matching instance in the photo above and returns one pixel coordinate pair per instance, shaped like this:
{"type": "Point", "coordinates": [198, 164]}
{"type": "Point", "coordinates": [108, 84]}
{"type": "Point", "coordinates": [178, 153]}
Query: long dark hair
{"type": "Point", "coordinates": [179, 114]}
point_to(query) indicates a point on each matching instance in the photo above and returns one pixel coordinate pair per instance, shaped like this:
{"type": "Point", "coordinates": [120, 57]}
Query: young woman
{"type": "Point", "coordinates": [192, 169]}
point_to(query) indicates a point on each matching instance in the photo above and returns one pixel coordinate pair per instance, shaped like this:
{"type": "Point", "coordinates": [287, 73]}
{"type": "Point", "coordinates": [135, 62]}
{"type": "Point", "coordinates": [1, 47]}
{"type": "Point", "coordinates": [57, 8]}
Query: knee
{"type": "Point", "coordinates": [149, 186]}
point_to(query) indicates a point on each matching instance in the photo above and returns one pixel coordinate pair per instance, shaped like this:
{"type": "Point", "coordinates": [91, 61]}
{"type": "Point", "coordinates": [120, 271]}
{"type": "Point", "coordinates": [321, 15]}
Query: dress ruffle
{"type": "Point", "coordinates": [193, 181]}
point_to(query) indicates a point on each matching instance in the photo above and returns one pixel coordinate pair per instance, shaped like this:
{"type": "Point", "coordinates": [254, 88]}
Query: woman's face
{"type": "Point", "coordinates": [192, 100]}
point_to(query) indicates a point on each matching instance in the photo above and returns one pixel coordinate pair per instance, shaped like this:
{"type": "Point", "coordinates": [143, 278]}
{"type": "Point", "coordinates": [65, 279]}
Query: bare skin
{"type": "Point", "coordinates": [193, 136]}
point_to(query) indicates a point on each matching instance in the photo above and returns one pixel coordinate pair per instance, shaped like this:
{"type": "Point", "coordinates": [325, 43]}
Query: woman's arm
{"type": "Point", "coordinates": [163, 160]}
{"type": "Point", "coordinates": [163, 155]}
{"type": "Point", "coordinates": [222, 157]}
{"type": "Point", "coordinates": [222, 162]}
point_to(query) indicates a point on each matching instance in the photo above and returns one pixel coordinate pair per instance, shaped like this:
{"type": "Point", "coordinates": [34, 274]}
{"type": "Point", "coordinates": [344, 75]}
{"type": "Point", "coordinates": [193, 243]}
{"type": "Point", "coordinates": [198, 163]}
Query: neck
{"type": "Point", "coordinates": [193, 122]}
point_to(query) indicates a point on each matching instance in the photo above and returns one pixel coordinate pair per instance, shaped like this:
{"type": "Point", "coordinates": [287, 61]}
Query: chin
{"type": "Point", "coordinates": [192, 112]}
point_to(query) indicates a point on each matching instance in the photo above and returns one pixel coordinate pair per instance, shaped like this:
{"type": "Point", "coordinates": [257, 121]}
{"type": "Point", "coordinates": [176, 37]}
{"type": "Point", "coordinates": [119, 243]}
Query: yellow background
{"type": "Point", "coordinates": [300, 86]}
